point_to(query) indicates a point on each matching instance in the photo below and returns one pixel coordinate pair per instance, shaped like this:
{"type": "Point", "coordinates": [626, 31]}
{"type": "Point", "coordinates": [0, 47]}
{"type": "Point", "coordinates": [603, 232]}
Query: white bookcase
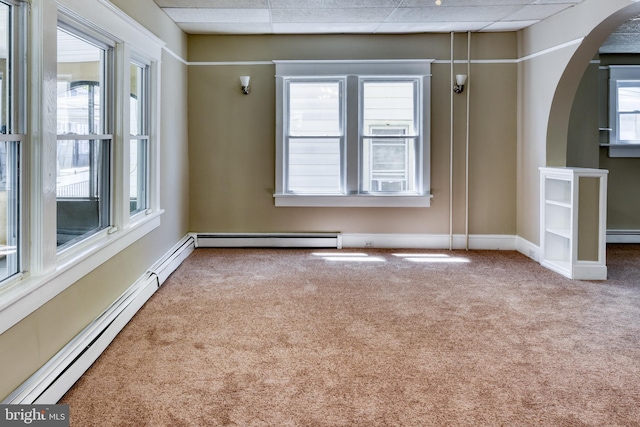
{"type": "Point", "coordinates": [573, 217]}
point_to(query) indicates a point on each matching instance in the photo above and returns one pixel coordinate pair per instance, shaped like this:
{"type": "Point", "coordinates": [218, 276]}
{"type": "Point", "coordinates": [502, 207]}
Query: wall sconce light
{"type": "Point", "coordinates": [244, 82]}
{"type": "Point", "coordinates": [461, 79]}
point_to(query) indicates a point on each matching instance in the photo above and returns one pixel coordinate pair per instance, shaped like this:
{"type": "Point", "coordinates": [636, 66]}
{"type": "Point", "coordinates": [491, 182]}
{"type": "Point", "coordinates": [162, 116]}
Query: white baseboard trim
{"type": "Point", "coordinates": [623, 236]}
{"type": "Point", "coordinates": [268, 240]}
{"type": "Point", "coordinates": [353, 240]}
{"type": "Point", "coordinates": [59, 374]}
{"type": "Point", "coordinates": [527, 248]}
{"type": "Point", "coordinates": [429, 241]}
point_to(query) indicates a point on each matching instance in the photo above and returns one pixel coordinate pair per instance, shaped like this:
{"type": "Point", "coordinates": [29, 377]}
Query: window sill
{"type": "Point", "coordinates": [349, 201]}
{"type": "Point", "coordinates": [623, 149]}
{"type": "Point", "coordinates": [24, 294]}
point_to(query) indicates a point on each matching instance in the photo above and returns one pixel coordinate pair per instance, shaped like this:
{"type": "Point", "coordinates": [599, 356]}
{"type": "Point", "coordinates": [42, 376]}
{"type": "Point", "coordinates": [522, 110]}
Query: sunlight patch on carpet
{"type": "Point", "coordinates": [433, 258]}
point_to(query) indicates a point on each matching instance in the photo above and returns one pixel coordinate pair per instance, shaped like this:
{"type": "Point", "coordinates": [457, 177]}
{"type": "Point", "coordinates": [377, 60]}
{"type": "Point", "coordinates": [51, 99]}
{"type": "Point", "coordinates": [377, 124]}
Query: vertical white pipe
{"type": "Point", "coordinates": [451, 151]}
{"type": "Point", "coordinates": [466, 204]}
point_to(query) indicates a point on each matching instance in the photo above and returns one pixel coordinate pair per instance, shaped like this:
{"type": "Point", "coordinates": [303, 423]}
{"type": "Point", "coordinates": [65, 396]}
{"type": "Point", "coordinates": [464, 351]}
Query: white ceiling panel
{"type": "Point", "coordinates": [325, 28]}
{"type": "Point", "coordinates": [218, 15]}
{"type": "Point", "coordinates": [452, 14]}
{"type": "Point", "coordinates": [226, 28]}
{"type": "Point", "coordinates": [333, 4]}
{"type": "Point", "coordinates": [508, 26]}
{"type": "Point", "coordinates": [536, 11]}
{"type": "Point", "coordinates": [465, 3]}
{"type": "Point", "coordinates": [355, 15]}
{"type": "Point", "coordinates": [365, 16]}
{"type": "Point", "coordinates": [226, 4]}
{"type": "Point", "coordinates": [429, 27]}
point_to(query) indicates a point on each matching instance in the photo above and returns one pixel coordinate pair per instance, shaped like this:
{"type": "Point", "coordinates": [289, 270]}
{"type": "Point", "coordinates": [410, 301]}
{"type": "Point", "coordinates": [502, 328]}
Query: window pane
{"type": "Point", "coordinates": [5, 88]}
{"type": "Point", "coordinates": [138, 148]}
{"type": "Point", "coordinates": [389, 104]}
{"type": "Point", "coordinates": [314, 165]}
{"type": "Point", "coordinates": [629, 111]}
{"type": "Point", "coordinates": [388, 109]}
{"type": "Point", "coordinates": [9, 150]}
{"type": "Point", "coordinates": [79, 85]}
{"type": "Point", "coordinates": [81, 188]}
{"type": "Point", "coordinates": [314, 109]}
{"type": "Point", "coordinates": [83, 165]}
{"type": "Point", "coordinates": [9, 196]}
{"type": "Point", "coordinates": [138, 176]}
{"type": "Point", "coordinates": [137, 101]}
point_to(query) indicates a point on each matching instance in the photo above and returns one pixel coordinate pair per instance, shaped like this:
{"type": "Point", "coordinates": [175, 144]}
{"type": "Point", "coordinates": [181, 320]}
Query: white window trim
{"type": "Point", "coordinates": [49, 272]}
{"type": "Point", "coordinates": [618, 148]}
{"type": "Point", "coordinates": [353, 69]}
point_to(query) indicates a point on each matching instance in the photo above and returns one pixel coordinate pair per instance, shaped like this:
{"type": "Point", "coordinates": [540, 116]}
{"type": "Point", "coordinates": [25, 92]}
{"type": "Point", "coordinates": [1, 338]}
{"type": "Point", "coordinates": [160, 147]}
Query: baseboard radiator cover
{"type": "Point", "coordinates": [58, 375]}
{"type": "Point", "coordinates": [623, 236]}
{"type": "Point", "coordinates": [268, 240]}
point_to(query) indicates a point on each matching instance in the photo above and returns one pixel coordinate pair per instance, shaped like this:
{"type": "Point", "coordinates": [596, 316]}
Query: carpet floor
{"type": "Point", "coordinates": [287, 337]}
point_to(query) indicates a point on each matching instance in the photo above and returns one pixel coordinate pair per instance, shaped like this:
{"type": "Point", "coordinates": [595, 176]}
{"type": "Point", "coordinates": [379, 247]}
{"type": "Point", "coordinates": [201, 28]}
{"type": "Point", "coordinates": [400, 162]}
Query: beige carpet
{"type": "Point", "coordinates": [289, 338]}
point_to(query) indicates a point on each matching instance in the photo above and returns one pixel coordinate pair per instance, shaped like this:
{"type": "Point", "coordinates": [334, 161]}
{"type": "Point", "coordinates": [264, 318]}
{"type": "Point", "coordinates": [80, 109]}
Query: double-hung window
{"type": "Point", "coordinates": [139, 138]}
{"type": "Point", "coordinates": [12, 135]}
{"type": "Point", "coordinates": [352, 133]}
{"type": "Point", "coordinates": [84, 122]}
{"type": "Point", "coordinates": [624, 111]}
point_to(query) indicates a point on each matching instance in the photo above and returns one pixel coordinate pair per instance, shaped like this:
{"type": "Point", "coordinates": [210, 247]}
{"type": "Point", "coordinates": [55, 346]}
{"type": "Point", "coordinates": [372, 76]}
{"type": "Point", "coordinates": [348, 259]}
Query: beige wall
{"type": "Point", "coordinates": [232, 141]}
{"type": "Point", "coordinates": [583, 150]}
{"type": "Point", "coordinates": [547, 83]}
{"type": "Point", "coordinates": [30, 343]}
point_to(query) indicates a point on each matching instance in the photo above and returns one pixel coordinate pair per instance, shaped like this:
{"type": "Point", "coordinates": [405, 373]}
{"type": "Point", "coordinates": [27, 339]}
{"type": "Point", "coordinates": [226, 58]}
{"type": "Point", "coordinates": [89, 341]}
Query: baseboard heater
{"type": "Point", "coordinates": [59, 374]}
{"type": "Point", "coordinates": [623, 236]}
{"type": "Point", "coordinates": [263, 240]}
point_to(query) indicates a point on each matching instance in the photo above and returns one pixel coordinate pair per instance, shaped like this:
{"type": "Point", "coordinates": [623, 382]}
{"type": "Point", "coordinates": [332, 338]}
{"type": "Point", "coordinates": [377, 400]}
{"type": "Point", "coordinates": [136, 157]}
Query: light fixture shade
{"type": "Point", "coordinates": [244, 80]}
{"type": "Point", "coordinates": [461, 79]}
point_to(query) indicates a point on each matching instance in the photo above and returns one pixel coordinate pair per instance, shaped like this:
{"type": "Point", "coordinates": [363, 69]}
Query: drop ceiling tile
{"type": "Point", "coordinates": [429, 27]}
{"type": "Point", "coordinates": [231, 4]}
{"type": "Point", "coordinates": [325, 28]}
{"type": "Point", "coordinates": [570, 2]}
{"type": "Point", "coordinates": [464, 3]}
{"type": "Point", "coordinates": [332, 4]}
{"type": "Point", "coordinates": [217, 15]}
{"type": "Point", "coordinates": [330, 15]}
{"type": "Point", "coordinates": [631, 26]}
{"type": "Point", "coordinates": [536, 12]}
{"type": "Point", "coordinates": [225, 28]}
{"type": "Point", "coordinates": [621, 43]}
{"type": "Point", "coordinates": [452, 14]}
{"type": "Point", "coordinates": [508, 25]}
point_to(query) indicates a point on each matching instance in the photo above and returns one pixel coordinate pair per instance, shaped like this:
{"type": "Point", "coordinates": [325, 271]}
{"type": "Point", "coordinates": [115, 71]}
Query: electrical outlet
{"type": "Point", "coordinates": [368, 244]}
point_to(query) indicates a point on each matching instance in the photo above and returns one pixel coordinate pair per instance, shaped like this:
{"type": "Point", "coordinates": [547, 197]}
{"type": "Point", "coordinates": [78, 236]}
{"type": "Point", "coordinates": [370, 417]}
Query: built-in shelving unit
{"type": "Point", "coordinates": [573, 222]}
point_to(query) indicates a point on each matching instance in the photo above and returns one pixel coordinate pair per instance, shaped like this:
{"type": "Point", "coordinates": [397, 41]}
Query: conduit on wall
{"type": "Point", "coordinates": [451, 143]}
{"type": "Point", "coordinates": [466, 162]}
{"type": "Point", "coordinates": [451, 149]}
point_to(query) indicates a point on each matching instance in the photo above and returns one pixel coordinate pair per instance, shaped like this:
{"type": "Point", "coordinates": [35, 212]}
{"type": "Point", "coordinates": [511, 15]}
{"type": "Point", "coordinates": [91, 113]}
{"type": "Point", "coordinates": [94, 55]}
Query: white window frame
{"type": "Point", "coordinates": [48, 271]}
{"type": "Point", "coordinates": [104, 135]}
{"type": "Point", "coordinates": [621, 74]}
{"type": "Point", "coordinates": [353, 73]}
{"type": "Point", "coordinates": [143, 181]}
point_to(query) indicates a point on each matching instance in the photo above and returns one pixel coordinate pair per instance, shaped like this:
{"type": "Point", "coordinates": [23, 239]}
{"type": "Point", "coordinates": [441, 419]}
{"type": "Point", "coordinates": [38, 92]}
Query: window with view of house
{"type": "Point", "coordinates": [352, 133]}
{"type": "Point", "coordinates": [624, 111]}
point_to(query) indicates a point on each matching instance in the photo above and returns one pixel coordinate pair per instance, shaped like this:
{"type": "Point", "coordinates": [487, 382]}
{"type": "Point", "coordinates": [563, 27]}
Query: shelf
{"type": "Point", "coordinates": [567, 238]}
{"type": "Point", "coordinates": [562, 232]}
{"type": "Point", "coordinates": [562, 204]}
